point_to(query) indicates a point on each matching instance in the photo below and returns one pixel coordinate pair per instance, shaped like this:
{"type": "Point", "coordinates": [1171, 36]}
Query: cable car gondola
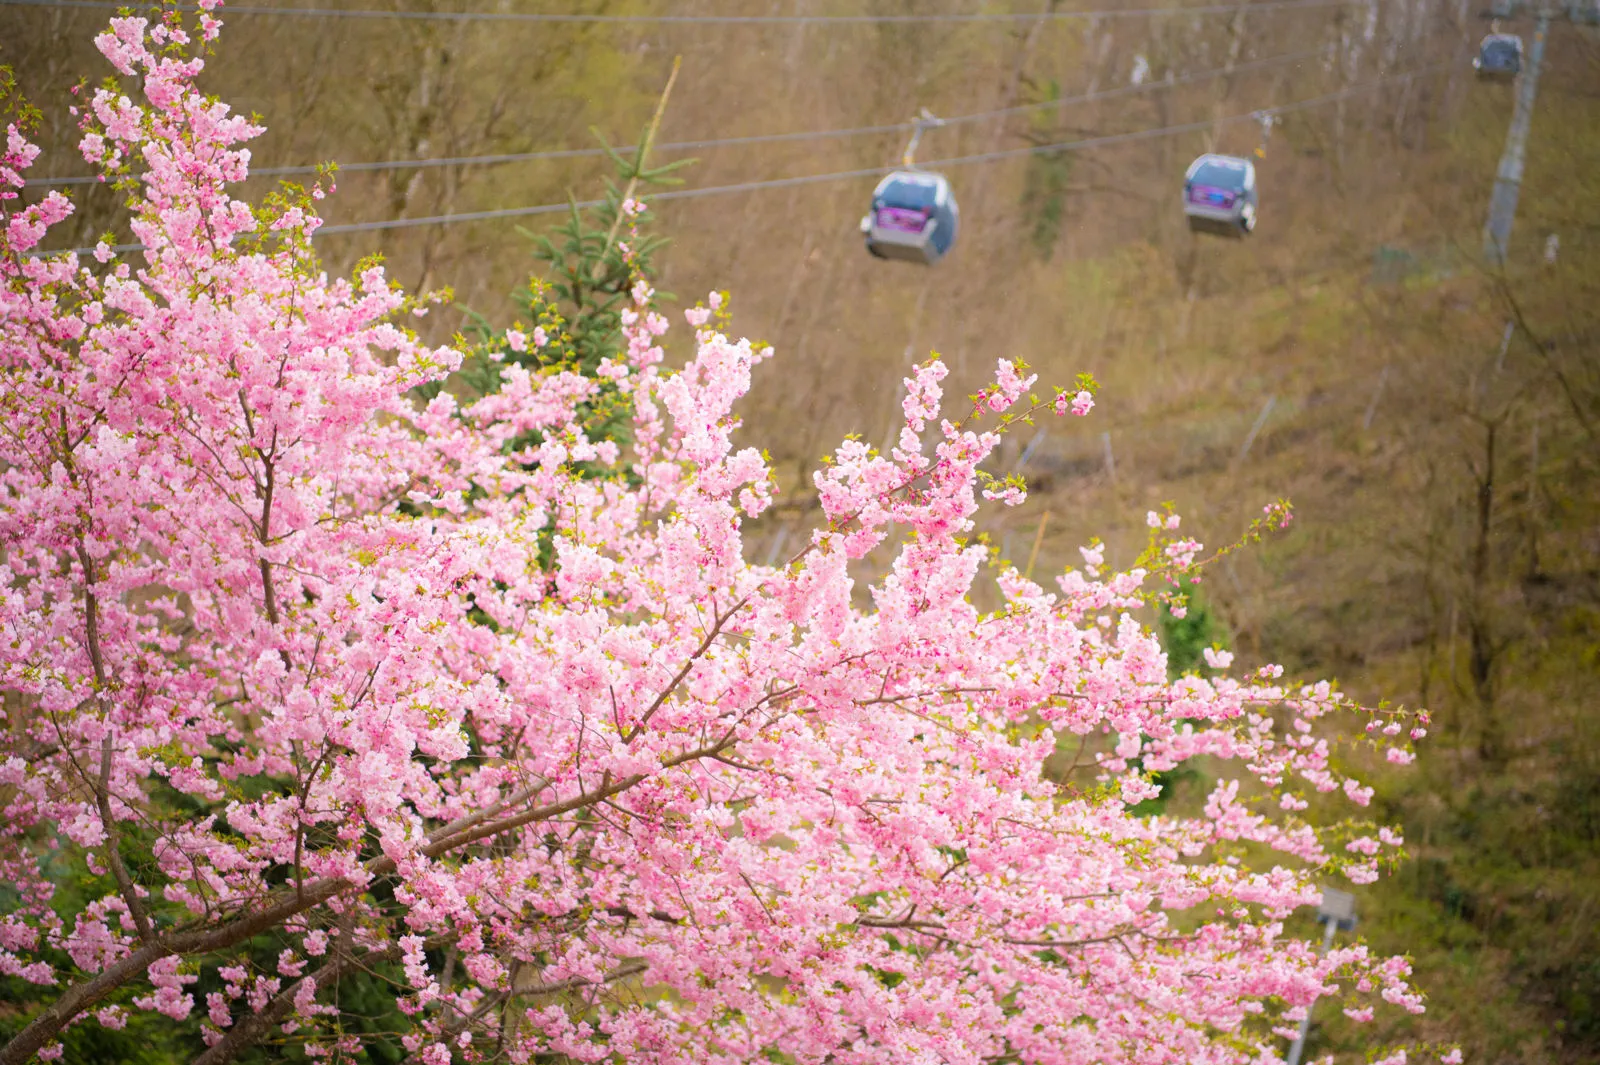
{"type": "Point", "coordinates": [913, 214]}
{"type": "Point", "coordinates": [913, 217]}
{"type": "Point", "coordinates": [1499, 57]}
{"type": "Point", "coordinates": [1219, 195]}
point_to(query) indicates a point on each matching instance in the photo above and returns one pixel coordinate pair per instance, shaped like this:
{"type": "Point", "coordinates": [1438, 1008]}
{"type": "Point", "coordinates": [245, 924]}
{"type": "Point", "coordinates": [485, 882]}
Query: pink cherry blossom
{"type": "Point", "coordinates": [426, 689]}
{"type": "Point", "coordinates": [1009, 385]}
{"type": "Point", "coordinates": [1080, 404]}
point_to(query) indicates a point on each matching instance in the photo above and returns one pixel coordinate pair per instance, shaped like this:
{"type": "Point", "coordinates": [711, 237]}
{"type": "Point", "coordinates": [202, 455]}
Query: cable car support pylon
{"type": "Point", "coordinates": [1508, 176]}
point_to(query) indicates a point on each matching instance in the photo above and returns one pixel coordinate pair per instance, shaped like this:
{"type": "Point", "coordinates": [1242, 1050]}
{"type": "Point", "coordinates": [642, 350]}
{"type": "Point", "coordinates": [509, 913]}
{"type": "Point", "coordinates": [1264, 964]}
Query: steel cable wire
{"type": "Point", "coordinates": [760, 138]}
{"type": "Point", "coordinates": [845, 175]}
{"type": "Point", "coordinates": [714, 20]}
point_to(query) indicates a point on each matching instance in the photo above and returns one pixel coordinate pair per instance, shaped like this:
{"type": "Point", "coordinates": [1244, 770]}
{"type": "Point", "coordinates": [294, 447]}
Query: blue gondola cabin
{"type": "Point", "coordinates": [914, 217]}
{"type": "Point", "coordinates": [1499, 57]}
{"type": "Point", "coordinates": [1219, 195]}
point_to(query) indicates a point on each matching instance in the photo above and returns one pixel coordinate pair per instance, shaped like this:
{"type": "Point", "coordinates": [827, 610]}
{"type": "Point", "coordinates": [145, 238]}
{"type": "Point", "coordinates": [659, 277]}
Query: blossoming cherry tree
{"type": "Point", "coordinates": [308, 680]}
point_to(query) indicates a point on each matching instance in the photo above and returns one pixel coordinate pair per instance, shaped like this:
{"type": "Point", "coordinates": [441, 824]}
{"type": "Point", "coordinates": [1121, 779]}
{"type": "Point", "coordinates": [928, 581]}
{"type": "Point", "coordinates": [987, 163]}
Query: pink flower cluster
{"type": "Point", "coordinates": [433, 696]}
{"type": "Point", "coordinates": [1080, 404]}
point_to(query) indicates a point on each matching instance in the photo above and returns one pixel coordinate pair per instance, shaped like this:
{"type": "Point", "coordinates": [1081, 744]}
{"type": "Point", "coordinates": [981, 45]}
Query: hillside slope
{"type": "Point", "coordinates": [1348, 356]}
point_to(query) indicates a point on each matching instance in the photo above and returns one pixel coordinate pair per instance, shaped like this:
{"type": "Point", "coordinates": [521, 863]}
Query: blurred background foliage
{"type": "Point", "coordinates": [1352, 356]}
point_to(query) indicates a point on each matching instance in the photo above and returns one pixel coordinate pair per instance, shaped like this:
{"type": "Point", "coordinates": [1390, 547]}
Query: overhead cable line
{"type": "Point", "coordinates": [713, 20]}
{"type": "Point", "coordinates": [528, 157]}
{"type": "Point", "coordinates": [845, 175]}
{"type": "Point", "coordinates": [762, 138]}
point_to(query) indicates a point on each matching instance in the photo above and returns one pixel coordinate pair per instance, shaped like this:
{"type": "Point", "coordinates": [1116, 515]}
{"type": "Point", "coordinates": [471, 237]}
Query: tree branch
{"type": "Point", "coordinates": [80, 997]}
{"type": "Point", "coordinates": [249, 1030]}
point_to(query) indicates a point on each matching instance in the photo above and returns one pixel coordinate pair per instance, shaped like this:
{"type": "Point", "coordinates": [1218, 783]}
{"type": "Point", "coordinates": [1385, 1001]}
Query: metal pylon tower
{"type": "Point", "coordinates": [1508, 177]}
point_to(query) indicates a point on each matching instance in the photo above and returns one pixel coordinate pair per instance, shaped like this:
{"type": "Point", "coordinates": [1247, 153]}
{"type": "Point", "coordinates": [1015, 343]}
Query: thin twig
{"type": "Point", "coordinates": [644, 152]}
